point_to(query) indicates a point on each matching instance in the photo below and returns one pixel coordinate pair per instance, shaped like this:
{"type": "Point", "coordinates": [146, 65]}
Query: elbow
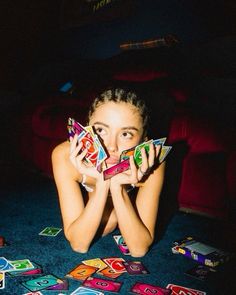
{"type": "Point", "coordinates": [79, 248]}
{"type": "Point", "coordinates": [138, 252]}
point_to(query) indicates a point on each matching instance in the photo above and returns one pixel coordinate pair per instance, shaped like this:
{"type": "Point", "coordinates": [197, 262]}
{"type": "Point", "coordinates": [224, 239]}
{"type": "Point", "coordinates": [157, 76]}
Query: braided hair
{"type": "Point", "coordinates": [118, 95]}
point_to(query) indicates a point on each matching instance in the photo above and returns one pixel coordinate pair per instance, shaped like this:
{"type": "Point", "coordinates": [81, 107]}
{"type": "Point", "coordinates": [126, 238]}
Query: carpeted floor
{"type": "Point", "coordinates": [30, 205]}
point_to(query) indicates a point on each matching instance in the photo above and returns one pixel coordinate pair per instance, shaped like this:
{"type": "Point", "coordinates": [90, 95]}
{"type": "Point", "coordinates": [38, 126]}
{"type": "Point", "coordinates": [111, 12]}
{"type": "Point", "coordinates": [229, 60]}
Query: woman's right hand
{"type": "Point", "coordinates": [77, 158]}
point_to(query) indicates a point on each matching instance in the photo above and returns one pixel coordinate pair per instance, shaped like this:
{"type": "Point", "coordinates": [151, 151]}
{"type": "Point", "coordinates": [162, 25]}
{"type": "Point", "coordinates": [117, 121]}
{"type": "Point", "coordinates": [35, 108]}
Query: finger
{"type": "Point", "coordinates": [75, 149]}
{"type": "Point", "coordinates": [157, 150]}
{"type": "Point", "coordinates": [134, 171]}
{"type": "Point", "coordinates": [152, 155]}
{"type": "Point", "coordinates": [144, 164]}
{"type": "Point", "coordinates": [73, 142]}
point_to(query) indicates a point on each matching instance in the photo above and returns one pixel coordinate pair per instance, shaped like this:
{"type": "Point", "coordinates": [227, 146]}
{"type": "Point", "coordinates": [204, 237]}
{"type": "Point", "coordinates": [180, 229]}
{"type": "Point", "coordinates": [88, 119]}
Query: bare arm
{"type": "Point", "coordinates": [79, 221]}
{"type": "Point", "coordinates": [137, 223]}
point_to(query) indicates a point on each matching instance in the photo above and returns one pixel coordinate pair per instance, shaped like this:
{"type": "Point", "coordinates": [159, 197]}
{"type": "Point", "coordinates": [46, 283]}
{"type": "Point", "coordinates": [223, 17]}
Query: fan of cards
{"type": "Point", "coordinates": [96, 153]}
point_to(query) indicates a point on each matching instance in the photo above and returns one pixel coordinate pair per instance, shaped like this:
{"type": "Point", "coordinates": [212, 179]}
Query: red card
{"type": "Point", "coordinates": [115, 263]}
{"type": "Point", "coordinates": [180, 290]}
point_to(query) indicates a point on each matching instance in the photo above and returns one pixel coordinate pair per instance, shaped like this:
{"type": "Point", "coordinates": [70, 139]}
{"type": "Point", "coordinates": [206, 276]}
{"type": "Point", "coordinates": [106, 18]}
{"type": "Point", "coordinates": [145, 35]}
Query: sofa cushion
{"type": "Point", "coordinates": [203, 185]}
{"type": "Point", "coordinates": [50, 119]}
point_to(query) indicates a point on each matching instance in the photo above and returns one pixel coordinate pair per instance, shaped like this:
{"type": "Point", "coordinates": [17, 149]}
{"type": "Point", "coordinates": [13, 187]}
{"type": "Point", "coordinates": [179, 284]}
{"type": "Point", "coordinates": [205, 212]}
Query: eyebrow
{"type": "Point", "coordinates": [123, 128]}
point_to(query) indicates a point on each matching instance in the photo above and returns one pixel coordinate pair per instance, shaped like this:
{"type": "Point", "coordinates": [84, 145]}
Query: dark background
{"type": "Point", "coordinates": [37, 36]}
{"type": "Point", "coordinates": [36, 32]}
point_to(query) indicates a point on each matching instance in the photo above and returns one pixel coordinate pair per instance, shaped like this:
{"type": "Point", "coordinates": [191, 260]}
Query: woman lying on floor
{"type": "Point", "coordinates": [120, 119]}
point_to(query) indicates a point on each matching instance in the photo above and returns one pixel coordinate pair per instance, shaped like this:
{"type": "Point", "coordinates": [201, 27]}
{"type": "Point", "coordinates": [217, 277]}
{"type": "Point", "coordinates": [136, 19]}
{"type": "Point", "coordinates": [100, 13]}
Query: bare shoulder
{"type": "Point", "coordinates": [61, 151]}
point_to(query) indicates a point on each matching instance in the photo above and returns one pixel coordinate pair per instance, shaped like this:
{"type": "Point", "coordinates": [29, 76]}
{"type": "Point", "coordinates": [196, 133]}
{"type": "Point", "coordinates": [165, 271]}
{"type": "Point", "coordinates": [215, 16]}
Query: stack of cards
{"type": "Point", "coordinates": [199, 251]}
{"type": "Point", "coordinates": [96, 154]}
{"type": "Point", "coordinates": [136, 153]}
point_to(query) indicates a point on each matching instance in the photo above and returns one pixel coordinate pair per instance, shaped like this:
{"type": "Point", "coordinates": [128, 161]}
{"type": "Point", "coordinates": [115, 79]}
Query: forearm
{"type": "Point", "coordinates": [136, 235]}
{"type": "Point", "coordinates": [81, 232]}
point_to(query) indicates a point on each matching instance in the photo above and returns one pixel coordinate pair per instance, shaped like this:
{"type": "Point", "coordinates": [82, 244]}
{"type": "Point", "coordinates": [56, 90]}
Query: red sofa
{"type": "Point", "coordinates": [207, 176]}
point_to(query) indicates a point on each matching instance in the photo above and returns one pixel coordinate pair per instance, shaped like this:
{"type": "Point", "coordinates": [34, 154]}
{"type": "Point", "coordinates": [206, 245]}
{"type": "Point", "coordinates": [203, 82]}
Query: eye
{"type": "Point", "coordinates": [100, 131]}
{"type": "Point", "coordinates": [127, 135]}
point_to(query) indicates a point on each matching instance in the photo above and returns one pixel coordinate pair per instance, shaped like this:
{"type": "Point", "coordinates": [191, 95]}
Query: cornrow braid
{"type": "Point", "coordinates": [121, 95]}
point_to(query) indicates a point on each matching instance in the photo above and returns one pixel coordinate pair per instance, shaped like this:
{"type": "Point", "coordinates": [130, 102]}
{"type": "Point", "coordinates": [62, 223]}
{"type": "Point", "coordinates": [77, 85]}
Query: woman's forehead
{"type": "Point", "coordinates": [116, 110]}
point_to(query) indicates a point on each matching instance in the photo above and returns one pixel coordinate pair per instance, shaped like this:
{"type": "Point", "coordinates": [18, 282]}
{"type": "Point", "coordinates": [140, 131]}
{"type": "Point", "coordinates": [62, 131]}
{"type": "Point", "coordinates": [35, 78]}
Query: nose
{"type": "Point", "coordinates": [112, 144]}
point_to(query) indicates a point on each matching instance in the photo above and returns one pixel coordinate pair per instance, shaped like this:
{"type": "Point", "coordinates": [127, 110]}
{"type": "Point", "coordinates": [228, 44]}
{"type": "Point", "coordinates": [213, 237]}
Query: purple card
{"type": "Point", "coordinates": [62, 284]}
{"type": "Point", "coordinates": [135, 268]}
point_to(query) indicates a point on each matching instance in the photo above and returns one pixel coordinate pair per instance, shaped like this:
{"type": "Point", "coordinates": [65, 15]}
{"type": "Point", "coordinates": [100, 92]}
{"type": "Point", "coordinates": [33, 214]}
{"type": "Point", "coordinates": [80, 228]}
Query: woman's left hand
{"type": "Point", "coordinates": [136, 174]}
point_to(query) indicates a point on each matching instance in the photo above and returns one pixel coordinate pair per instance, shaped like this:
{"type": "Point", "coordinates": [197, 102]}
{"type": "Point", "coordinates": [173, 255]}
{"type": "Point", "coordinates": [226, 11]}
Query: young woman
{"type": "Point", "coordinates": [120, 119]}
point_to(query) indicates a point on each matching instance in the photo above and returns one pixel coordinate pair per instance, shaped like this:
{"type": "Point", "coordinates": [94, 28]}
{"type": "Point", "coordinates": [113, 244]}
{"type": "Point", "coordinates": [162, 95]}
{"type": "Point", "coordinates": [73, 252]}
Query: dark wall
{"type": "Point", "coordinates": [32, 32]}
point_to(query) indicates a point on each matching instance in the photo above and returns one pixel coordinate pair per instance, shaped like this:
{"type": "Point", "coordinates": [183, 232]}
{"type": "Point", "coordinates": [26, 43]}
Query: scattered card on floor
{"type": "Point", "coordinates": [62, 284]}
{"type": "Point", "coordinates": [101, 284]}
{"type": "Point", "coordinates": [200, 272]}
{"type": "Point", "coordinates": [86, 291]}
{"type": "Point", "coordinates": [135, 268]}
{"type": "Point", "coordinates": [22, 265]}
{"type": "Point", "coordinates": [81, 272]}
{"type": "Point", "coordinates": [36, 270]}
{"type": "Point", "coordinates": [95, 262]}
{"type": "Point", "coordinates": [5, 265]}
{"type": "Point", "coordinates": [40, 283]}
{"type": "Point", "coordinates": [116, 263]}
{"type": "Point", "coordinates": [178, 290]}
{"type": "Point", "coordinates": [143, 289]}
{"type": "Point", "coordinates": [121, 244]}
{"type": "Point", "coordinates": [2, 280]}
{"type": "Point", "coordinates": [109, 273]}
{"type": "Point", "coordinates": [50, 231]}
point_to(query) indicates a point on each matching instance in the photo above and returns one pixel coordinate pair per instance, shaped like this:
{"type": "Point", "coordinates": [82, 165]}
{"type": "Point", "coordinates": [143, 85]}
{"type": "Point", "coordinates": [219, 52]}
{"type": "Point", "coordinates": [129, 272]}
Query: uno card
{"type": "Point", "coordinates": [200, 272]}
{"type": "Point", "coordinates": [127, 153]}
{"type": "Point", "coordinates": [5, 265]}
{"type": "Point", "coordinates": [81, 272]}
{"type": "Point", "coordinates": [159, 141]}
{"type": "Point", "coordinates": [102, 155]}
{"type": "Point", "coordinates": [91, 146]}
{"type": "Point", "coordinates": [2, 280]}
{"type": "Point", "coordinates": [178, 290]}
{"type": "Point", "coordinates": [116, 263]}
{"type": "Point", "coordinates": [143, 289]}
{"type": "Point", "coordinates": [137, 152]}
{"type": "Point", "coordinates": [118, 168]}
{"type": "Point", "coordinates": [37, 270]}
{"type": "Point", "coordinates": [62, 284]}
{"type": "Point", "coordinates": [121, 244]}
{"type": "Point", "coordinates": [164, 152]}
{"type": "Point", "coordinates": [101, 284]}
{"type": "Point", "coordinates": [40, 283]}
{"type": "Point", "coordinates": [135, 268]}
{"type": "Point", "coordinates": [22, 265]}
{"type": "Point", "coordinates": [50, 231]}
{"type": "Point", "coordinates": [75, 127]}
{"type": "Point", "coordinates": [96, 262]}
{"type": "Point", "coordinates": [90, 130]}
{"type": "Point", "coordinates": [109, 273]}
{"type": "Point", "coordinates": [86, 291]}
